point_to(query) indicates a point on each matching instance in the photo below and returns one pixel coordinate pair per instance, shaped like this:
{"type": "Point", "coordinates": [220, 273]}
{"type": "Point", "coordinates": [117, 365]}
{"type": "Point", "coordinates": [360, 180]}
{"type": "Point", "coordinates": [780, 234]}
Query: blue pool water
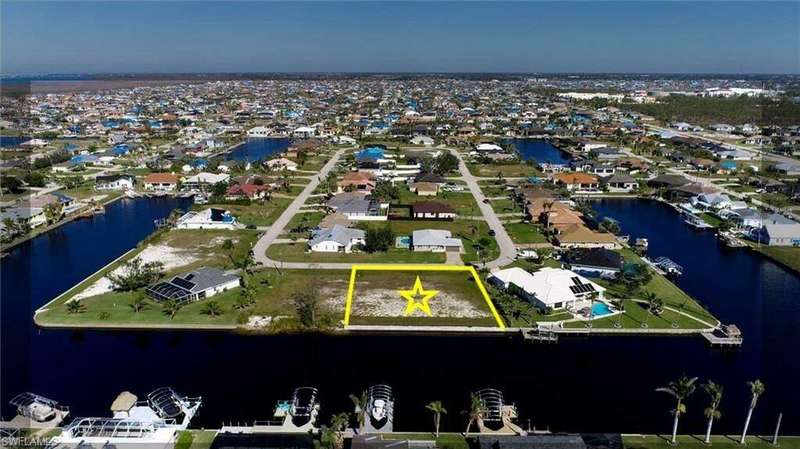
{"type": "Point", "coordinates": [600, 309]}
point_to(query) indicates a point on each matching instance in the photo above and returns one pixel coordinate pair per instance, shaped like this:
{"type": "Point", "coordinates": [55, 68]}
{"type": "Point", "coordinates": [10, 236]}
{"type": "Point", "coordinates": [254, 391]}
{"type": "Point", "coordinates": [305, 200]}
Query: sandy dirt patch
{"type": "Point", "coordinates": [169, 256]}
{"type": "Point", "coordinates": [388, 303]}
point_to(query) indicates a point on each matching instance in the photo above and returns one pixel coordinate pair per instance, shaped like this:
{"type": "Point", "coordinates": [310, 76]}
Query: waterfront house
{"type": "Point", "coordinates": [336, 239]}
{"type": "Point", "coordinates": [622, 183]}
{"type": "Point", "coordinates": [432, 210]}
{"type": "Point", "coordinates": [246, 191]}
{"type": "Point", "coordinates": [668, 181]}
{"type": "Point", "coordinates": [594, 262]}
{"type": "Point", "coordinates": [31, 216]}
{"type": "Point", "coordinates": [554, 215]}
{"type": "Point", "coordinates": [777, 230]}
{"type": "Point", "coordinates": [579, 236]}
{"type": "Point", "coordinates": [548, 288]}
{"type": "Point", "coordinates": [202, 180]}
{"type": "Point", "coordinates": [435, 240]}
{"type": "Point", "coordinates": [211, 218]}
{"type": "Point", "coordinates": [194, 285]}
{"type": "Point", "coordinates": [281, 163]}
{"type": "Point", "coordinates": [161, 182]}
{"type": "Point", "coordinates": [577, 181]}
{"type": "Point", "coordinates": [713, 201]}
{"type": "Point", "coordinates": [356, 181]}
{"type": "Point", "coordinates": [114, 182]}
{"type": "Point", "coordinates": [259, 131]}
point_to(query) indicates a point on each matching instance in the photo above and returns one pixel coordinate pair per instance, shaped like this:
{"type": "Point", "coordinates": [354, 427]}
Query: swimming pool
{"type": "Point", "coordinates": [600, 309]}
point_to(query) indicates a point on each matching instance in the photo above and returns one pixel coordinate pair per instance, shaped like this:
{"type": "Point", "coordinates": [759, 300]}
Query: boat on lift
{"type": "Point", "coordinates": [380, 409]}
{"type": "Point", "coordinates": [35, 412]}
{"type": "Point", "coordinates": [154, 422]}
{"type": "Point", "coordinates": [669, 267]}
{"type": "Point", "coordinates": [499, 417]}
{"type": "Point", "coordinates": [695, 221]}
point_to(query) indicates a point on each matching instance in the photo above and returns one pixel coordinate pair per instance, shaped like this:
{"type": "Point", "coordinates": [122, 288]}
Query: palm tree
{"type": "Point", "coordinates": [361, 403]}
{"type": "Point", "coordinates": [138, 304]}
{"type": "Point", "coordinates": [338, 424]}
{"type": "Point", "coordinates": [438, 410]}
{"type": "Point", "coordinates": [212, 309]}
{"type": "Point", "coordinates": [476, 412]}
{"type": "Point", "coordinates": [756, 389]}
{"type": "Point", "coordinates": [170, 307]}
{"type": "Point", "coordinates": [651, 298]}
{"type": "Point", "coordinates": [75, 306]}
{"type": "Point", "coordinates": [714, 392]}
{"type": "Point", "coordinates": [680, 390]}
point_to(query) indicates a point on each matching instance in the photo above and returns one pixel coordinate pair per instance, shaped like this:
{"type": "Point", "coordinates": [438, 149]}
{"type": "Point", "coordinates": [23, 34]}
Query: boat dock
{"type": "Point", "coordinates": [729, 336]}
{"type": "Point", "coordinates": [539, 335]}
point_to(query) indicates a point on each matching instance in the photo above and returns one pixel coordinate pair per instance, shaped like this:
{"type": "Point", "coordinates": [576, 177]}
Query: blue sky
{"type": "Point", "coordinates": [669, 37]}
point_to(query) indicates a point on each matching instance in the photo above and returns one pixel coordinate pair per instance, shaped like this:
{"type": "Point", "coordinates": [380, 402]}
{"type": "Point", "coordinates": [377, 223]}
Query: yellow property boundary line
{"type": "Point", "coordinates": [413, 267]}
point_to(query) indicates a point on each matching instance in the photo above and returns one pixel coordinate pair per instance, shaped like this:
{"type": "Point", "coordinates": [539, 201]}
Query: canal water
{"type": "Point", "coordinates": [256, 149]}
{"type": "Point", "coordinates": [540, 150]}
{"type": "Point", "coordinates": [12, 141]}
{"type": "Point", "coordinates": [594, 384]}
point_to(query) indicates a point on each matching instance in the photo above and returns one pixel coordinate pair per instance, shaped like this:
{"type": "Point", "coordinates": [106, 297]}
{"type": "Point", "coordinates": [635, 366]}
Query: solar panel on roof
{"type": "Point", "coordinates": [183, 283]}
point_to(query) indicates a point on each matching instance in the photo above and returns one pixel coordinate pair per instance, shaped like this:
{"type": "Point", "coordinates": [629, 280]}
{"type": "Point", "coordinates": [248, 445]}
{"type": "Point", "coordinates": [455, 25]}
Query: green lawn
{"type": "Point", "coordinates": [195, 439]}
{"type": "Point", "coordinates": [445, 440]}
{"type": "Point", "coordinates": [255, 214]}
{"type": "Point", "coordinates": [312, 220]}
{"type": "Point", "coordinates": [463, 202]}
{"type": "Point", "coordinates": [525, 233]}
{"type": "Point", "coordinates": [296, 252]}
{"type": "Point", "coordinates": [696, 442]}
{"type": "Point", "coordinates": [506, 170]}
{"type": "Point", "coordinates": [786, 255]}
{"type": "Point", "coordinates": [636, 315]}
{"type": "Point", "coordinates": [713, 220]}
{"type": "Point", "coordinates": [505, 206]}
{"type": "Point", "coordinates": [273, 290]}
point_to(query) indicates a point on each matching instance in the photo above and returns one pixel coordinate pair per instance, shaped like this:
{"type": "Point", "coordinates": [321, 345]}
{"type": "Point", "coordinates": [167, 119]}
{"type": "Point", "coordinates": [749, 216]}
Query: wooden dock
{"type": "Point", "coordinates": [728, 336]}
{"type": "Point", "coordinates": [536, 335]}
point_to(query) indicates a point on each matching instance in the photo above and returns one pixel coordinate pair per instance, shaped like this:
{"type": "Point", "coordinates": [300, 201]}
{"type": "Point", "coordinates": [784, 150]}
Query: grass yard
{"type": "Point", "coordinates": [273, 291]}
{"type": "Point", "coordinates": [636, 314]}
{"type": "Point", "coordinates": [788, 256]}
{"type": "Point", "coordinates": [445, 440]}
{"type": "Point", "coordinates": [296, 252]}
{"type": "Point", "coordinates": [506, 170]}
{"type": "Point", "coordinates": [312, 220]}
{"type": "Point", "coordinates": [255, 214]}
{"type": "Point", "coordinates": [505, 206]}
{"type": "Point", "coordinates": [717, 442]}
{"type": "Point", "coordinates": [713, 220]}
{"type": "Point", "coordinates": [525, 233]}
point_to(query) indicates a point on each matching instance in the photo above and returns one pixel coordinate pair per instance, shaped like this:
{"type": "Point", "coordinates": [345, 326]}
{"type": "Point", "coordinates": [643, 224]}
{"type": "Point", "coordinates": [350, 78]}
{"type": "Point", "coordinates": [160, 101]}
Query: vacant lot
{"type": "Point", "coordinates": [459, 302]}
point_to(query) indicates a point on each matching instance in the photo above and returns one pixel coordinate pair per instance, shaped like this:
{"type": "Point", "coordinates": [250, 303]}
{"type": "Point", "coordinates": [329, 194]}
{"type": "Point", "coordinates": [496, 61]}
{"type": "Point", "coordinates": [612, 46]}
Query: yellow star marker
{"type": "Point", "coordinates": [422, 304]}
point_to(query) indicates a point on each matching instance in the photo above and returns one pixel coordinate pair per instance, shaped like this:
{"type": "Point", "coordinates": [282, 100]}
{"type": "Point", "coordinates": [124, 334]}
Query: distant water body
{"type": "Point", "coordinates": [542, 151]}
{"type": "Point", "coordinates": [594, 384]}
{"type": "Point", "coordinates": [257, 149]}
{"type": "Point", "coordinates": [12, 141]}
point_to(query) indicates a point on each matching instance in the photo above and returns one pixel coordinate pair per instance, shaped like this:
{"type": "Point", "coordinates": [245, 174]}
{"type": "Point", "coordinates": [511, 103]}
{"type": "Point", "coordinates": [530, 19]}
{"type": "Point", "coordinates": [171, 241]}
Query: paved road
{"type": "Point", "coordinates": [260, 248]}
{"type": "Point", "coordinates": [507, 249]}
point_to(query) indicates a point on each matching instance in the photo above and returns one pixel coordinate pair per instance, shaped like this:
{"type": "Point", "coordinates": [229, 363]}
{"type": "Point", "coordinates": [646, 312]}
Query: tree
{"type": "Point", "coordinates": [444, 163]}
{"type": "Point", "coordinates": [633, 276]}
{"type": "Point", "coordinates": [756, 390]}
{"type": "Point", "coordinates": [379, 239]}
{"type": "Point", "coordinates": [171, 307]}
{"type": "Point", "coordinates": [306, 303]}
{"type": "Point", "coordinates": [714, 392]}
{"type": "Point", "coordinates": [338, 424]}
{"type": "Point", "coordinates": [247, 296]}
{"type": "Point", "coordinates": [35, 179]}
{"type": "Point", "coordinates": [610, 226]}
{"type": "Point", "coordinates": [75, 306]}
{"type": "Point", "coordinates": [438, 410]}
{"type": "Point", "coordinates": [361, 403]}
{"type": "Point", "coordinates": [680, 390]}
{"type": "Point", "coordinates": [138, 304]}
{"type": "Point", "coordinates": [211, 308]}
{"type": "Point", "coordinates": [219, 189]}
{"type": "Point", "coordinates": [476, 412]}
{"type": "Point", "coordinates": [482, 248]}
{"type": "Point", "coordinates": [53, 212]}
{"type": "Point", "coordinates": [135, 274]}
{"type": "Point", "coordinates": [385, 190]}
{"type": "Point", "coordinates": [11, 184]}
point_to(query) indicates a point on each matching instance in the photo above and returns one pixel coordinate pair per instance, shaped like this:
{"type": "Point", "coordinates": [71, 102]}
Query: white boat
{"type": "Point", "coordinates": [380, 409]}
{"type": "Point", "coordinates": [153, 423]}
{"type": "Point", "coordinates": [695, 221]}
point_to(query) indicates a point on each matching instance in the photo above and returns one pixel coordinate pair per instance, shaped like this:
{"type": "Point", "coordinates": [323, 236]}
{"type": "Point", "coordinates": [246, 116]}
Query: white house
{"type": "Point", "coordinates": [548, 288]}
{"type": "Point", "coordinates": [435, 240]}
{"type": "Point", "coordinates": [259, 131]}
{"type": "Point", "coordinates": [422, 140]}
{"type": "Point", "coordinates": [114, 182]}
{"type": "Point", "coordinates": [204, 179]}
{"type": "Point", "coordinates": [304, 132]}
{"type": "Point", "coordinates": [344, 140]}
{"type": "Point", "coordinates": [336, 239]}
{"type": "Point", "coordinates": [211, 218]}
{"type": "Point", "coordinates": [281, 163]}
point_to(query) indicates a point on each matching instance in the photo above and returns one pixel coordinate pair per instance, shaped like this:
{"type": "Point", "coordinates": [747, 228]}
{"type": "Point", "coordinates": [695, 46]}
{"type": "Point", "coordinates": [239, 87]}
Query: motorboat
{"type": "Point", "coordinates": [380, 409]}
